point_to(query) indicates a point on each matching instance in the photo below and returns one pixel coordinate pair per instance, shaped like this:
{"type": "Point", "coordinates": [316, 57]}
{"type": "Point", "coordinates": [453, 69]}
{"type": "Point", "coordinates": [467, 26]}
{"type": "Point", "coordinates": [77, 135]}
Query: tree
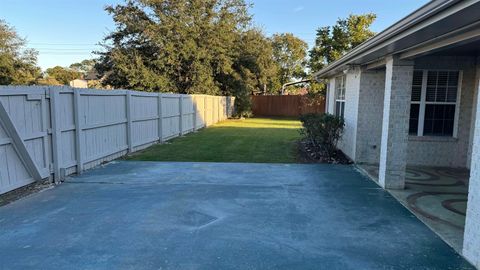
{"type": "Point", "coordinates": [254, 68]}
{"type": "Point", "coordinates": [289, 53]}
{"type": "Point", "coordinates": [183, 46]}
{"type": "Point", "coordinates": [334, 41]}
{"type": "Point", "coordinates": [83, 67]}
{"type": "Point", "coordinates": [47, 81]}
{"type": "Point", "coordinates": [187, 46]}
{"type": "Point", "coordinates": [63, 75]}
{"type": "Point", "coordinates": [18, 65]}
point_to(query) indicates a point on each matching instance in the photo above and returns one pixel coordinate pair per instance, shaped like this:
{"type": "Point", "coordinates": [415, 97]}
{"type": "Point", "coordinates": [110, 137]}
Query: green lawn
{"type": "Point", "coordinates": [269, 140]}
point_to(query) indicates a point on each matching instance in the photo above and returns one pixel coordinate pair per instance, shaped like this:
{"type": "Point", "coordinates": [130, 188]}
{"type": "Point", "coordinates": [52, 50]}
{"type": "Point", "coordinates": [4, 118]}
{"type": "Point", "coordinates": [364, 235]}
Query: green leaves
{"type": "Point", "coordinates": [323, 131]}
{"type": "Point", "coordinates": [332, 42]}
{"type": "Point", "coordinates": [187, 46]}
{"type": "Point", "coordinates": [63, 75]}
{"type": "Point", "coordinates": [171, 45]}
{"type": "Point", "coordinates": [18, 65]}
{"type": "Point", "coordinates": [290, 54]}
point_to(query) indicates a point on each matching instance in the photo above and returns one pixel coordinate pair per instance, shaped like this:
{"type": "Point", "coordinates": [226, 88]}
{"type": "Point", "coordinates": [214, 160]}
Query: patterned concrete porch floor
{"type": "Point", "coordinates": [437, 196]}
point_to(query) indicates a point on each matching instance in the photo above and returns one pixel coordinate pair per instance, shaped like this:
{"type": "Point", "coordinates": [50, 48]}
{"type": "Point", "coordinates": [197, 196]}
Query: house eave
{"type": "Point", "coordinates": [385, 42]}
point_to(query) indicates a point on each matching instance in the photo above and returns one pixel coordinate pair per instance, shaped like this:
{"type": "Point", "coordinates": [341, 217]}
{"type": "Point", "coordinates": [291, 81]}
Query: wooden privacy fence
{"type": "Point", "coordinates": [291, 105]}
{"type": "Point", "coordinates": [57, 131]}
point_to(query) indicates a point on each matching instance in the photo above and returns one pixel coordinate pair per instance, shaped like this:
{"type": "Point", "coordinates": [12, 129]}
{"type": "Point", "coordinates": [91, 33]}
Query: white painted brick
{"type": "Point", "coordinates": [471, 242]}
{"type": "Point", "coordinates": [393, 151]}
{"type": "Point", "coordinates": [370, 116]}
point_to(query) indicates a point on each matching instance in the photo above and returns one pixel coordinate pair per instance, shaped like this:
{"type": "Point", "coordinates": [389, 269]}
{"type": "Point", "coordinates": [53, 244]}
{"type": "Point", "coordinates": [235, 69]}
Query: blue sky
{"type": "Point", "coordinates": [66, 31]}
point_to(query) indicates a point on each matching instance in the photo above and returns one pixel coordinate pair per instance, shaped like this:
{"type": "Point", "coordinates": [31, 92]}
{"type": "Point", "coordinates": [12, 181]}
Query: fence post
{"type": "Point", "coordinates": [78, 130]}
{"type": "Point", "coordinates": [160, 119]}
{"type": "Point", "coordinates": [205, 119]}
{"type": "Point", "coordinates": [219, 115]}
{"type": "Point", "coordinates": [194, 101]}
{"type": "Point", "coordinates": [56, 132]}
{"type": "Point", "coordinates": [129, 121]}
{"type": "Point", "coordinates": [180, 109]}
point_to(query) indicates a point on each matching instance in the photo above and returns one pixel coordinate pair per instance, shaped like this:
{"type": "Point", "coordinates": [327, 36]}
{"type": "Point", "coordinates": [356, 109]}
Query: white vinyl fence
{"type": "Point", "coordinates": [57, 131]}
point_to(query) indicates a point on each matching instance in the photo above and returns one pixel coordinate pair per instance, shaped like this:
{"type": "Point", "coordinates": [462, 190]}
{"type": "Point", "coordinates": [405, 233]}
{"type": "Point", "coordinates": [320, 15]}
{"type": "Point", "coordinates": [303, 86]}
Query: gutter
{"type": "Point", "coordinates": [420, 15]}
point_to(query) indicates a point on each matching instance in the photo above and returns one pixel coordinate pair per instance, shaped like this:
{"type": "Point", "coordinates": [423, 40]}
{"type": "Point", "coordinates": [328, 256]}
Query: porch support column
{"type": "Point", "coordinates": [471, 239]}
{"type": "Point", "coordinates": [396, 114]}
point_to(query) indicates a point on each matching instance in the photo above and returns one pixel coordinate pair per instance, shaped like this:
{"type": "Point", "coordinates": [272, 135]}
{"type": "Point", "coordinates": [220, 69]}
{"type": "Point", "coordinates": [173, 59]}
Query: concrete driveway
{"type": "Point", "coordinates": [149, 215]}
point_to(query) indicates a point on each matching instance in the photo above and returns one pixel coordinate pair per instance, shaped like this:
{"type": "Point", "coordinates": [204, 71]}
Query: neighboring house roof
{"type": "Point", "coordinates": [432, 23]}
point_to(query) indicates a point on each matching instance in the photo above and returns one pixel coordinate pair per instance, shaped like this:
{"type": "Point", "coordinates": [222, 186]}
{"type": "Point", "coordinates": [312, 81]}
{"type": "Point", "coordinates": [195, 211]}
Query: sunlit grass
{"type": "Point", "coordinates": [269, 140]}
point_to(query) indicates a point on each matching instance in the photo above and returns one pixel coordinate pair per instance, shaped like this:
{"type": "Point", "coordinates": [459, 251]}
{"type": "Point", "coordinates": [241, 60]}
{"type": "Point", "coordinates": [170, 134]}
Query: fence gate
{"type": "Point", "coordinates": [24, 137]}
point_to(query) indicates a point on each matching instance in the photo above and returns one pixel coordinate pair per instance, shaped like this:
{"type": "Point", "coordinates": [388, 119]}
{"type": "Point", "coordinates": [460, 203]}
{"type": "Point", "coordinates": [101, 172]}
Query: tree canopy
{"type": "Point", "coordinates": [18, 65]}
{"type": "Point", "coordinates": [63, 75]}
{"type": "Point", "coordinates": [290, 54]}
{"type": "Point", "coordinates": [84, 66]}
{"type": "Point", "coordinates": [334, 41]}
{"type": "Point", "coordinates": [187, 46]}
{"type": "Point", "coordinates": [173, 45]}
{"type": "Point", "coordinates": [192, 47]}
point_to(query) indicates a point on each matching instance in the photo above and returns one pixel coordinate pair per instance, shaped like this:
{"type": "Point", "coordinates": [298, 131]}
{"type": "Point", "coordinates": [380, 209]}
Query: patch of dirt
{"type": "Point", "coordinates": [25, 191]}
{"type": "Point", "coordinates": [309, 154]}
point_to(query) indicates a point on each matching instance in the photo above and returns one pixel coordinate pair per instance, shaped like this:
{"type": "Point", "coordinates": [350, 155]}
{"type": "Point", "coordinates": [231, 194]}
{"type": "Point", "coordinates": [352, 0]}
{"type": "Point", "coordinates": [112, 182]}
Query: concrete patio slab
{"type": "Point", "coordinates": [153, 215]}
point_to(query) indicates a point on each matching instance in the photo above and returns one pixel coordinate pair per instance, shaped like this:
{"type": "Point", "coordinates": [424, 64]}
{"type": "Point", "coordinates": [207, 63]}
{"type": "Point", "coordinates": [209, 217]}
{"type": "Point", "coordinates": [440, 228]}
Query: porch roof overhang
{"type": "Point", "coordinates": [437, 25]}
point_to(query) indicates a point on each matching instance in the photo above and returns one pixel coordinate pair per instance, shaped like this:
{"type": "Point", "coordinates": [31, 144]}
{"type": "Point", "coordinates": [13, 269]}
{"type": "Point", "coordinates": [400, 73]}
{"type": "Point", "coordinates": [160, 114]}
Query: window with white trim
{"type": "Point", "coordinates": [435, 103]}
{"type": "Point", "coordinates": [340, 96]}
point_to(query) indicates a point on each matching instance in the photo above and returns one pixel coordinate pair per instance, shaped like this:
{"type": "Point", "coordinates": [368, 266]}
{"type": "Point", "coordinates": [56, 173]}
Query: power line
{"type": "Point", "coordinates": [64, 44]}
{"type": "Point", "coordinates": [66, 53]}
{"type": "Point", "coordinates": [70, 50]}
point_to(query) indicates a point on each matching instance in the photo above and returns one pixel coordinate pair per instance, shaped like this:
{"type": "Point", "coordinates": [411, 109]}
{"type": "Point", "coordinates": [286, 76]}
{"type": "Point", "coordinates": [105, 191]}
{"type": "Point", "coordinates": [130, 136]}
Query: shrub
{"type": "Point", "coordinates": [323, 131]}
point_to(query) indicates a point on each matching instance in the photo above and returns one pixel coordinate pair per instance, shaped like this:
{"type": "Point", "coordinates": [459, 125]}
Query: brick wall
{"type": "Point", "coordinates": [370, 116]}
{"type": "Point", "coordinates": [348, 141]}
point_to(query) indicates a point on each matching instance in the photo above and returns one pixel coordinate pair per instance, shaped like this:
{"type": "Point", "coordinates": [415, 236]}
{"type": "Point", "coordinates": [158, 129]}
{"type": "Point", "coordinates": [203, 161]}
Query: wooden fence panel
{"type": "Point", "coordinates": [208, 111]}
{"type": "Point", "coordinates": [13, 173]}
{"type": "Point", "coordinates": [291, 105]}
{"type": "Point", "coordinates": [170, 115]}
{"type": "Point", "coordinates": [103, 124]}
{"type": "Point", "coordinates": [63, 130]}
{"type": "Point", "coordinates": [27, 110]}
{"type": "Point", "coordinates": [145, 119]}
{"type": "Point", "coordinates": [199, 101]}
{"type": "Point", "coordinates": [188, 114]}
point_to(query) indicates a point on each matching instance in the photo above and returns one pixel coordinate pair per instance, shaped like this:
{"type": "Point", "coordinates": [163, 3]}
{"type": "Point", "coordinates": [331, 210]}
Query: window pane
{"type": "Point", "coordinates": [414, 113]}
{"type": "Point", "coordinates": [428, 127]}
{"type": "Point", "coordinates": [340, 87]}
{"type": "Point", "coordinates": [416, 93]}
{"type": "Point", "coordinates": [431, 93]}
{"type": "Point", "coordinates": [453, 78]}
{"type": "Point", "coordinates": [339, 108]}
{"type": "Point", "coordinates": [439, 120]}
{"type": "Point", "coordinates": [429, 111]}
{"type": "Point", "coordinates": [417, 77]}
{"type": "Point", "coordinates": [452, 94]}
{"type": "Point", "coordinates": [441, 94]}
{"type": "Point", "coordinates": [442, 79]}
{"type": "Point", "coordinates": [442, 86]}
{"type": "Point", "coordinates": [450, 112]}
{"type": "Point", "coordinates": [438, 111]}
{"type": "Point", "coordinates": [448, 128]}
{"type": "Point", "coordinates": [432, 78]}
